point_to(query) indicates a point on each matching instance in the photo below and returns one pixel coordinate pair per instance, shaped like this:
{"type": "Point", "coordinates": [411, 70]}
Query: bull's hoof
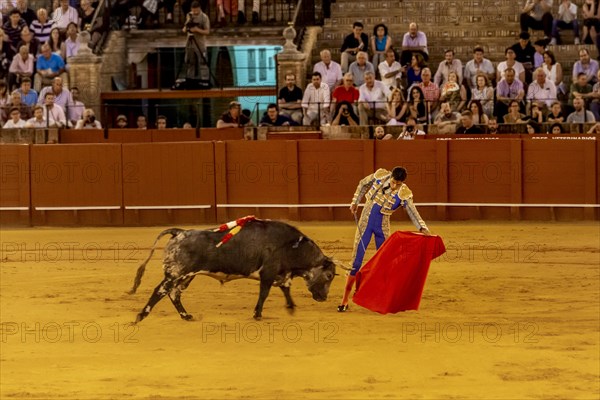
{"type": "Point", "coordinates": [342, 308]}
{"type": "Point", "coordinates": [187, 317]}
{"type": "Point", "coordinates": [257, 317]}
{"type": "Point", "coordinates": [139, 317]}
{"type": "Point", "coordinates": [291, 309]}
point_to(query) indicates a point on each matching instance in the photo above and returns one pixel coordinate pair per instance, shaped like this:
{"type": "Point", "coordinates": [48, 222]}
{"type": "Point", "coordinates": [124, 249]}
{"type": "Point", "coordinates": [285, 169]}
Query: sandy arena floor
{"type": "Point", "coordinates": [510, 312]}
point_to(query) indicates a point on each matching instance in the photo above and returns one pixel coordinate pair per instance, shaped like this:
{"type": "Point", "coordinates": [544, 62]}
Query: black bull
{"type": "Point", "coordinates": [270, 251]}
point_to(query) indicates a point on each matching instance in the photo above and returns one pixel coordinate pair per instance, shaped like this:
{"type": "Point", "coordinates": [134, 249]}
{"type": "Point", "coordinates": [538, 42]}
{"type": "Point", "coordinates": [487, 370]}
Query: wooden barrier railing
{"type": "Point", "coordinates": [554, 177]}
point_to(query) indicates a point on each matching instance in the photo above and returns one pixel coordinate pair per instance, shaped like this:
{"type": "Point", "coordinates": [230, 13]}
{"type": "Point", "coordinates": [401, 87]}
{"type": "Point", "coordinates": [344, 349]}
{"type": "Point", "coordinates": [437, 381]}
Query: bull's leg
{"type": "Point", "coordinates": [265, 287]}
{"type": "Point", "coordinates": [288, 299]}
{"type": "Point", "coordinates": [159, 292]}
{"type": "Point", "coordinates": [175, 296]}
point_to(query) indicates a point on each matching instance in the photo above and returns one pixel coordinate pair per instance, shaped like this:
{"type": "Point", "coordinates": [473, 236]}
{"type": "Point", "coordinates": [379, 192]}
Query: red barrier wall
{"type": "Point", "coordinates": [14, 184]}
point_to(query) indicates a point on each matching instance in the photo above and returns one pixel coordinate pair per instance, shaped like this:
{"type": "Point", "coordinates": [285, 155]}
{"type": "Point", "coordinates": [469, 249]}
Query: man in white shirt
{"type": "Point", "coordinates": [372, 100]}
{"type": "Point", "coordinates": [450, 64]}
{"type": "Point", "coordinates": [537, 15]}
{"type": "Point", "coordinates": [53, 113]}
{"type": "Point", "coordinates": [541, 89]}
{"type": "Point", "coordinates": [15, 120]}
{"type": "Point", "coordinates": [65, 14]}
{"type": "Point", "coordinates": [315, 103]}
{"type": "Point", "coordinates": [331, 72]}
{"type": "Point", "coordinates": [566, 19]}
{"type": "Point", "coordinates": [390, 70]}
{"type": "Point", "coordinates": [38, 120]}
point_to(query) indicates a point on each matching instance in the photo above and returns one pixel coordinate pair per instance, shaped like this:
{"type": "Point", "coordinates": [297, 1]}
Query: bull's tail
{"type": "Point", "coordinates": [142, 268]}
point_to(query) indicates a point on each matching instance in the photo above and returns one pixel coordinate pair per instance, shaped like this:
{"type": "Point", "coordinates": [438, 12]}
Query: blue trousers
{"type": "Point", "coordinates": [373, 228]}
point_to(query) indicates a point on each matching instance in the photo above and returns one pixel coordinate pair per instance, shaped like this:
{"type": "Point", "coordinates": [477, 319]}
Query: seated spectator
{"type": "Point", "coordinates": [390, 70]}
{"type": "Point", "coordinates": [580, 115]}
{"type": "Point", "coordinates": [446, 120]}
{"type": "Point", "coordinates": [48, 66]}
{"type": "Point", "coordinates": [556, 114]}
{"type": "Point", "coordinates": [38, 120]}
{"type": "Point", "coordinates": [330, 71]}
{"type": "Point", "coordinates": [484, 93]}
{"type": "Point", "coordinates": [492, 127]}
{"type": "Point", "coordinates": [381, 42]}
{"type": "Point", "coordinates": [12, 29]}
{"type": "Point", "coordinates": [477, 65]}
{"type": "Point", "coordinates": [26, 13]}
{"type": "Point", "coordinates": [16, 102]}
{"type": "Point", "coordinates": [593, 130]}
{"type": "Point", "coordinates": [535, 113]}
{"type": "Point", "coordinates": [557, 128]}
{"type": "Point", "coordinates": [450, 64]}
{"type": "Point", "coordinates": [431, 91]}
{"type": "Point", "coordinates": [4, 102]}
{"type": "Point", "coordinates": [353, 43]}
{"type": "Point", "coordinates": [62, 96]}
{"type": "Point", "coordinates": [415, 106]}
{"type": "Point", "coordinates": [315, 102]}
{"type": "Point", "coordinates": [410, 130]}
{"type": "Point", "coordinates": [20, 68]}
{"type": "Point", "coordinates": [591, 21]}
{"type": "Point", "coordinates": [532, 127]}
{"type": "Point", "coordinates": [290, 99]}
{"type": "Point", "coordinates": [372, 100]}
{"type": "Point", "coordinates": [479, 117]}
{"type": "Point", "coordinates": [57, 44]}
{"type": "Point", "coordinates": [508, 89]}
{"type": "Point", "coordinates": [121, 122]}
{"type": "Point", "coordinates": [87, 15]}
{"type": "Point", "coordinates": [538, 57]}
{"type": "Point", "coordinates": [273, 118]}
{"type": "Point", "coordinates": [233, 117]}
{"type": "Point", "coordinates": [28, 40]}
{"type": "Point", "coordinates": [53, 113]}
{"type": "Point", "coordinates": [346, 93]}
{"type": "Point", "coordinates": [395, 108]}
{"type": "Point", "coordinates": [537, 16]}
{"type": "Point", "coordinates": [566, 19]}
{"type": "Point", "coordinates": [29, 97]}
{"type": "Point", "coordinates": [344, 115]}
{"type": "Point", "coordinates": [15, 120]}
{"type": "Point", "coordinates": [514, 115]}
{"type": "Point", "coordinates": [454, 93]}
{"type": "Point", "coordinates": [595, 99]}
{"type": "Point", "coordinates": [586, 65]}
{"type": "Point", "coordinates": [553, 71]}
{"type": "Point", "coordinates": [64, 15]}
{"type": "Point", "coordinates": [580, 88]}
{"type": "Point", "coordinates": [6, 6]}
{"type": "Point", "coordinates": [142, 122]}
{"type": "Point", "coordinates": [6, 55]}
{"type": "Point", "coordinates": [242, 12]}
{"type": "Point", "coordinates": [187, 125]}
{"type": "Point", "coordinates": [88, 121]}
{"type": "Point", "coordinates": [42, 26]}
{"type": "Point", "coordinates": [71, 42]}
{"type": "Point", "coordinates": [413, 72]}
{"type": "Point", "coordinates": [525, 54]}
{"type": "Point", "coordinates": [413, 42]}
{"type": "Point", "coordinates": [467, 126]}
{"type": "Point", "coordinates": [509, 53]}
{"type": "Point", "coordinates": [359, 67]}
{"type": "Point", "coordinates": [380, 134]}
{"type": "Point", "coordinates": [542, 89]}
{"type": "Point", "coordinates": [100, 24]}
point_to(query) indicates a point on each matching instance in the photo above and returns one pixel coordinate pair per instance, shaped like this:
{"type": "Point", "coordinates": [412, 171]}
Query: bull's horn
{"type": "Point", "coordinates": [341, 264]}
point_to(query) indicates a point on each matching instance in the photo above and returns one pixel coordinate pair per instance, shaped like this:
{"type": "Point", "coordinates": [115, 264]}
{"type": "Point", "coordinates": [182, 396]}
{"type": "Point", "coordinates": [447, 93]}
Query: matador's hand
{"type": "Point", "coordinates": [353, 208]}
{"type": "Point", "coordinates": [425, 231]}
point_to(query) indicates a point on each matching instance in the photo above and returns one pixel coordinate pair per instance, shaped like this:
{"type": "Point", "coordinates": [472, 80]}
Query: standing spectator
{"type": "Point", "coordinates": [71, 42]}
{"type": "Point", "coordinates": [380, 134]}
{"type": "Point", "coordinates": [467, 125]}
{"type": "Point", "coordinates": [42, 26]}
{"type": "Point", "coordinates": [290, 99]}
{"type": "Point", "coordinates": [492, 127]}
{"type": "Point", "coordinates": [195, 47]}
{"type": "Point", "coordinates": [21, 67]}
{"type": "Point", "coordinates": [315, 102]}
{"type": "Point", "coordinates": [431, 92]}
{"type": "Point", "coordinates": [507, 90]}
{"type": "Point", "coordinates": [353, 43]}
{"type": "Point", "coordinates": [586, 65]}
{"type": "Point", "coordinates": [76, 107]}
{"type": "Point", "coordinates": [242, 12]}
{"type": "Point", "coordinates": [450, 64]}
{"type": "Point", "coordinates": [372, 100]}
{"type": "Point", "coordinates": [381, 42]}
{"type": "Point", "coordinates": [525, 54]}
{"type": "Point", "coordinates": [329, 70]}
{"type": "Point", "coordinates": [553, 70]}
{"type": "Point", "coordinates": [454, 93]}
{"type": "Point", "coordinates": [15, 120]}
{"type": "Point", "coordinates": [233, 117]}
{"type": "Point", "coordinates": [484, 93]}
{"type": "Point", "coordinates": [591, 20]}
{"type": "Point", "coordinates": [566, 19]}
{"type": "Point", "coordinates": [88, 121]}
{"type": "Point", "coordinates": [390, 70]}
{"type": "Point", "coordinates": [48, 66]}
{"type": "Point", "coordinates": [86, 14]}
{"type": "Point", "coordinates": [477, 65]}
{"type": "Point", "coordinates": [12, 29]}
{"type": "Point", "coordinates": [347, 93]}
{"type": "Point", "coordinates": [536, 15]}
{"type": "Point", "coordinates": [512, 63]}
{"type": "Point", "coordinates": [542, 89]}
{"type": "Point", "coordinates": [580, 115]}
{"type": "Point", "coordinates": [410, 130]}
{"type": "Point", "coordinates": [64, 15]}
{"type": "Point", "coordinates": [360, 67]}
{"type": "Point", "coordinates": [413, 72]}
{"type": "Point", "coordinates": [38, 120]}
{"type": "Point", "coordinates": [29, 96]}
{"type": "Point", "coordinates": [26, 13]}
{"type": "Point", "coordinates": [413, 42]}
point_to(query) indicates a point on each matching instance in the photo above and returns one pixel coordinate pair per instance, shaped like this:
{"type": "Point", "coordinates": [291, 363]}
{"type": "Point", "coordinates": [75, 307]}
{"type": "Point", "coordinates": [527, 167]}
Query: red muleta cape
{"type": "Point", "coordinates": [394, 278]}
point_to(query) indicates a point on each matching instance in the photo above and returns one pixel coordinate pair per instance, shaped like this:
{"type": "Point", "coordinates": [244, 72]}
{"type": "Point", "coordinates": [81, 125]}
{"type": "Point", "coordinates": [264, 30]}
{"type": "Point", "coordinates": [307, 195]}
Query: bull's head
{"type": "Point", "coordinates": [318, 279]}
